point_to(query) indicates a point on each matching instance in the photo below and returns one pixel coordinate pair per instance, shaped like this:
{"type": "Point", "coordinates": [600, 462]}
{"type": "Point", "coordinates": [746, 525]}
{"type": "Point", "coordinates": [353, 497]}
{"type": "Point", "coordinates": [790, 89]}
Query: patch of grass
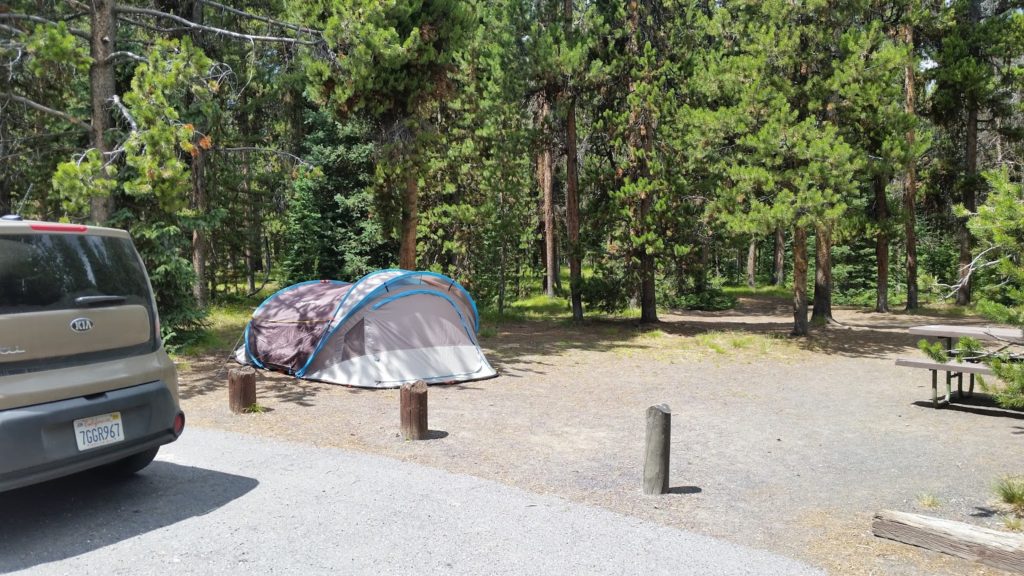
{"type": "Point", "coordinates": [542, 307]}
{"type": "Point", "coordinates": [711, 341]}
{"type": "Point", "coordinates": [1010, 490]}
{"type": "Point", "coordinates": [539, 307]}
{"type": "Point", "coordinates": [255, 408]}
{"type": "Point", "coordinates": [651, 334]}
{"type": "Point", "coordinates": [225, 325]}
{"type": "Point", "coordinates": [488, 331]}
{"type": "Point", "coordinates": [741, 291]}
{"type": "Point", "coordinates": [1013, 523]}
{"type": "Point", "coordinates": [723, 342]}
{"type": "Point", "coordinates": [585, 272]}
{"type": "Point", "coordinates": [491, 316]}
{"type": "Point", "coordinates": [742, 341]}
{"type": "Point", "coordinates": [928, 501]}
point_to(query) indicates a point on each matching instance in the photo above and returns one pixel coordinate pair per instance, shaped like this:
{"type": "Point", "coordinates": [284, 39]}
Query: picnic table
{"type": "Point", "coordinates": [945, 333]}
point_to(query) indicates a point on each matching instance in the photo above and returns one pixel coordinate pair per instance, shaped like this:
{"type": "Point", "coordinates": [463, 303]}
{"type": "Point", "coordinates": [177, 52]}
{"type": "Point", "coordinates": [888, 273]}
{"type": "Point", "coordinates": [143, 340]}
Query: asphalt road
{"type": "Point", "coordinates": [219, 503]}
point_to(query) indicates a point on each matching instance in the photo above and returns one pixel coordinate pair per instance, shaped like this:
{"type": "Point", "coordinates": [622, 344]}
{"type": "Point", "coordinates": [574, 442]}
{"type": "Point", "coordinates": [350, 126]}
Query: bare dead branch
{"type": "Point", "coordinates": [44, 136]}
{"type": "Point", "coordinates": [37, 106]}
{"type": "Point", "coordinates": [150, 27]}
{"type": "Point", "coordinates": [261, 150]}
{"type": "Point", "coordinates": [126, 55]}
{"type": "Point", "coordinates": [969, 270]}
{"type": "Point", "coordinates": [12, 30]}
{"type": "Point", "coordinates": [124, 112]}
{"type": "Point", "coordinates": [40, 20]}
{"type": "Point", "coordinates": [251, 16]}
{"type": "Point", "coordinates": [120, 9]}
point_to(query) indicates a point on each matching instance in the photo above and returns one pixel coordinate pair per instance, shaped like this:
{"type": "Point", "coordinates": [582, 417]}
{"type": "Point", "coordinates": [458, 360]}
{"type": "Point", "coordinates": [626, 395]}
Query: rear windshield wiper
{"type": "Point", "coordinates": [99, 300]}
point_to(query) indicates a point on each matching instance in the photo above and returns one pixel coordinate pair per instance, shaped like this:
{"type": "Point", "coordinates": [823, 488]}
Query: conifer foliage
{"type": "Point", "coordinates": [657, 149]}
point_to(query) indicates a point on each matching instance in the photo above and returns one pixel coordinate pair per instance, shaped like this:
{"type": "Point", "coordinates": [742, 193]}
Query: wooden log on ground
{"type": "Point", "coordinates": [659, 436]}
{"type": "Point", "coordinates": [241, 388]}
{"type": "Point", "coordinates": [414, 410]}
{"type": "Point", "coordinates": [1001, 550]}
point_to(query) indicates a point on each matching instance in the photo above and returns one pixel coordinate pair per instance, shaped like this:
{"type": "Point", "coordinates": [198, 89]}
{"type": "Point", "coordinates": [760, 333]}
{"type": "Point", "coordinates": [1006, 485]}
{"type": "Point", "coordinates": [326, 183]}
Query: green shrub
{"type": "Point", "coordinates": [1010, 490]}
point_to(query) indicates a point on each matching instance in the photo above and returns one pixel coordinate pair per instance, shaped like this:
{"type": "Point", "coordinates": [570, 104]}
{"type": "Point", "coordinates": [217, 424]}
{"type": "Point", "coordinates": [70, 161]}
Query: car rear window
{"type": "Point", "coordinates": [59, 271]}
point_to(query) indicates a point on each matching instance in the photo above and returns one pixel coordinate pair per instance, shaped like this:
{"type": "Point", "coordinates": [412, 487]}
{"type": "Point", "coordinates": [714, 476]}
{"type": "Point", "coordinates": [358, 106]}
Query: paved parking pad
{"type": "Point", "coordinates": [224, 503]}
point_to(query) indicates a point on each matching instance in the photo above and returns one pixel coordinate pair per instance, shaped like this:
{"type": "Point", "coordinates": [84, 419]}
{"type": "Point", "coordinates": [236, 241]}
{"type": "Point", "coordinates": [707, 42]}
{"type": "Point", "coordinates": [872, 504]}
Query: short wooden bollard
{"type": "Point", "coordinates": [659, 436]}
{"type": "Point", "coordinates": [241, 388]}
{"type": "Point", "coordinates": [414, 410]}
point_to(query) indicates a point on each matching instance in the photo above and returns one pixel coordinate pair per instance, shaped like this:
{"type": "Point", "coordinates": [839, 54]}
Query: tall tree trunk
{"type": "Point", "coordinates": [410, 220]}
{"type": "Point", "coordinates": [969, 198]}
{"type": "Point", "coordinates": [700, 275]}
{"type": "Point", "coordinates": [502, 264]}
{"type": "Point", "coordinates": [799, 281]}
{"type": "Point", "coordinates": [252, 225]}
{"type": "Point", "coordinates": [648, 303]}
{"type": "Point", "coordinates": [910, 176]}
{"type": "Point", "coordinates": [881, 246]}
{"type": "Point", "coordinates": [199, 239]}
{"type": "Point", "coordinates": [572, 209]}
{"type": "Point", "coordinates": [752, 263]}
{"type": "Point", "coordinates": [641, 137]}
{"type": "Point", "coordinates": [572, 201]}
{"type": "Point", "coordinates": [102, 89]}
{"type": "Point", "coordinates": [550, 259]}
{"type": "Point", "coordinates": [822, 312]}
{"type": "Point", "coordinates": [547, 204]}
{"type": "Point", "coordinates": [779, 273]}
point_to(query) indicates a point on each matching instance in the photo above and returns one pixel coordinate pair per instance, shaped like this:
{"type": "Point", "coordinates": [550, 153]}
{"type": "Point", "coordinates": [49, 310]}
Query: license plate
{"type": "Point", "coordinates": [97, 431]}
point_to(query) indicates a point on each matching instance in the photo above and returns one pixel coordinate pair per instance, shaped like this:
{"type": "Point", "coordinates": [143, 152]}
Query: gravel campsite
{"type": "Point", "coordinates": [787, 445]}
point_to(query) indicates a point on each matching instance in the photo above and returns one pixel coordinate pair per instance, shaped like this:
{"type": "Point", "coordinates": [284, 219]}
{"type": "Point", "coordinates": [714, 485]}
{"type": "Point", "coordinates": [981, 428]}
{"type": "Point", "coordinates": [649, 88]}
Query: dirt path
{"type": "Point", "coordinates": [784, 445]}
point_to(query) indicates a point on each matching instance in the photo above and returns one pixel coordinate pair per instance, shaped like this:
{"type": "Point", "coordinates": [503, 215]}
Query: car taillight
{"type": "Point", "coordinates": [58, 227]}
{"type": "Point", "coordinates": [179, 423]}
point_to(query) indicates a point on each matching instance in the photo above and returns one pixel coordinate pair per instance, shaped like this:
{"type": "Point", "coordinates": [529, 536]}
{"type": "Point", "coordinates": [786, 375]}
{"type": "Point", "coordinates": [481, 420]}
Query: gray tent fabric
{"type": "Point", "coordinates": [389, 328]}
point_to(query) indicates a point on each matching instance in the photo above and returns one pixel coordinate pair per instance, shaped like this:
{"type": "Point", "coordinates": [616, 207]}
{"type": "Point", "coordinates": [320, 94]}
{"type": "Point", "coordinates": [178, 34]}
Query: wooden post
{"type": "Point", "coordinates": [998, 549]}
{"type": "Point", "coordinates": [241, 388]}
{"type": "Point", "coordinates": [659, 436]}
{"type": "Point", "coordinates": [414, 410]}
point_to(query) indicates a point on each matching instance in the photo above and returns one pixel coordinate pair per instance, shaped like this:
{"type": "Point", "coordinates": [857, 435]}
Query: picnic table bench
{"type": "Point", "coordinates": [953, 367]}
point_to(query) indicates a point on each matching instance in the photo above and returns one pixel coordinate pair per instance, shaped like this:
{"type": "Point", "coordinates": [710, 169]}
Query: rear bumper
{"type": "Point", "coordinates": [37, 443]}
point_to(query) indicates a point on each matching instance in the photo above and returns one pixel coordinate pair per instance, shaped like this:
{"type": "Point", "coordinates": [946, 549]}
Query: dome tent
{"type": "Point", "coordinates": [388, 328]}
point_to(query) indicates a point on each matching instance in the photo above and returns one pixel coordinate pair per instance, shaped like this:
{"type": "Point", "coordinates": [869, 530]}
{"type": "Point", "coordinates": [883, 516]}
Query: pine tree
{"type": "Point", "coordinates": [391, 60]}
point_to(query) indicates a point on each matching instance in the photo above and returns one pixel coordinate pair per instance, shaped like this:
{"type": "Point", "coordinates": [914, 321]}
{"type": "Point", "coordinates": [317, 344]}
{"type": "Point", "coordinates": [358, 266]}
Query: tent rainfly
{"type": "Point", "coordinates": [389, 328]}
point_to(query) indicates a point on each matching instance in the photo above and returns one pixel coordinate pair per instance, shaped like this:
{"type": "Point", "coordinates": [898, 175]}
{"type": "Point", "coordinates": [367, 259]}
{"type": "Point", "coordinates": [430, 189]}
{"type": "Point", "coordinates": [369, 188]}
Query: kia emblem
{"type": "Point", "coordinates": [81, 324]}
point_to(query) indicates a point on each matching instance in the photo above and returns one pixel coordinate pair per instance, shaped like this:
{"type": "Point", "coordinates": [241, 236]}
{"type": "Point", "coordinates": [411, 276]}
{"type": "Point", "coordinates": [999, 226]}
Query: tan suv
{"type": "Point", "coordinates": [84, 379]}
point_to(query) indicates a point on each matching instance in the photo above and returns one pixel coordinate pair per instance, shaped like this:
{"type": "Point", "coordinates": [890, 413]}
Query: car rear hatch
{"type": "Point", "coordinates": [70, 296]}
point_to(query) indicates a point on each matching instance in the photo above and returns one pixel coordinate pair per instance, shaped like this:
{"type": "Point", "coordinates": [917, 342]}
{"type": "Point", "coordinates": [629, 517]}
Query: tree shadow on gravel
{"type": "Point", "coordinates": [208, 376]}
{"type": "Point", "coordinates": [525, 346]}
{"type": "Point", "coordinates": [859, 342]}
{"type": "Point", "coordinates": [981, 404]}
{"type": "Point", "coordinates": [78, 514]}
